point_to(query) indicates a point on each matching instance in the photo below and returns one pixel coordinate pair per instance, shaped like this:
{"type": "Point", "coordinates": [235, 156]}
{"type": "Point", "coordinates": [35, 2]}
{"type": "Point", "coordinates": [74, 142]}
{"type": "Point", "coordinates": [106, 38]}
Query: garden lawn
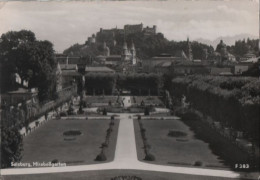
{"type": "Point", "coordinates": [174, 150]}
{"type": "Point", "coordinates": [108, 174]}
{"type": "Point", "coordinates": [47, 142]}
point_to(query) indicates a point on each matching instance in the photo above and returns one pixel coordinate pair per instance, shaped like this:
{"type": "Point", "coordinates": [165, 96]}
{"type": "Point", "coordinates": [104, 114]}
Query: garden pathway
{"type": "Point", "coordinates": [125, 158]}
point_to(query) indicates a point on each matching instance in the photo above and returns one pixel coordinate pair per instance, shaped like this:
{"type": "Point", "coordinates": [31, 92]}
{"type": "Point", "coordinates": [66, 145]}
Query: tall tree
{"type": "Point", "coordinates": [33, 60]}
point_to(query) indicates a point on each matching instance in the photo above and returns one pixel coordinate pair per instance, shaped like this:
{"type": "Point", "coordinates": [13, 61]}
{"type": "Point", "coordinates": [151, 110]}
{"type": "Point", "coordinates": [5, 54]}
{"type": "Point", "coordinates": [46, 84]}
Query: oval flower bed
{"type": "Point", "coordinates": [174, 133]}
{"type": "Point", "coordinates": [72, 133]}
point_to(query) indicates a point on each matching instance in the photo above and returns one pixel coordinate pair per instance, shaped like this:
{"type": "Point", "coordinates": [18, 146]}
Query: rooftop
{"type": "Point", "coordinates": [70, 73]}
{"type": "Point", "coordinates": [68, 66]}
{"type": "Point", "coordinates": [98, 69]}
{"type": "Point", "coordinates": [23, 91]}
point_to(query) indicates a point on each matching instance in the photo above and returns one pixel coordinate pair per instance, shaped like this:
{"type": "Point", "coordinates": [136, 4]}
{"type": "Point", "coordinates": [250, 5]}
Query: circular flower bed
{"type": "Point", "coordinates": [72, 133]}
{"type": "Point", "coordinates": [173, 133]}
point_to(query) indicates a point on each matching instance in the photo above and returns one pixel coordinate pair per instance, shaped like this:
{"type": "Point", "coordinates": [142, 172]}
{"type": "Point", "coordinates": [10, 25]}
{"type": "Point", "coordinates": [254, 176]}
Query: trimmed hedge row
{"type": "Point", "coordinates": [233, 101]}
{"type": "Point", "coordinates": [147, 147]}
{"type": "Point", "coordinates": [102, 156]}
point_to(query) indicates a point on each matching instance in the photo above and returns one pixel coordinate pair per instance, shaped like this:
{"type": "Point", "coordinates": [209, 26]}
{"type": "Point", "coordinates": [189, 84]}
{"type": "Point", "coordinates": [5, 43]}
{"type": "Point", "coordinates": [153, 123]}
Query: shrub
{"type": "Point", "coordinates": [147, 146]}
{"type": "Point", "coordinates": [71, 110]}
{"type": "Point", "coordinates": [62, 114]}
{"type": "Point", "coordinates": [80, 110]}
{"type": "Point", "coordinates": [104, 111]}
{"type": "Point", "coordinates": [149, 157]}
{"type": "Point", "coordinates": [109, 130]}
{"type": "Point", "coordinates": [101, 157]}
{"type": "Point", "coordinates": [54, 161]}
{"type": "Point", "coordinates": [11, 145]}
{"type": "Point", "coordinates": [104, 145]}
{"type": "Point", "coordinates": [146, 111]}
{"type": "Point", "coordinates": [198, 163]}
{"type": "Point", "coordinates": [84, 104]}
{"type": "Point", "coordinates": [111, 124]}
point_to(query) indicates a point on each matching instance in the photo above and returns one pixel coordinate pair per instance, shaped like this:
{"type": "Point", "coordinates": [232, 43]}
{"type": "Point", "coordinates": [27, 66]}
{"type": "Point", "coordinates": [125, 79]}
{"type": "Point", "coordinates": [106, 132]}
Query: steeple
{"type": "Point", "coordinates": [189, 50]}
{"type": "Point", "coordinates": [104, 45]}
{"type": "Point", "coordinates": [132, 45]}
{"type": "Point", "coordinates": [124, 46]}
{"type": "Point", "coordinates": [133, 53]}
{"type": "Point", "coordinates": [106, 50]}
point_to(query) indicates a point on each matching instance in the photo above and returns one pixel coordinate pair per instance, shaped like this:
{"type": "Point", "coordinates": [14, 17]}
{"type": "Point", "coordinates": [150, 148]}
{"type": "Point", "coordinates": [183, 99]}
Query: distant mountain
{"type": "Point", "coordinates": [228, 40]}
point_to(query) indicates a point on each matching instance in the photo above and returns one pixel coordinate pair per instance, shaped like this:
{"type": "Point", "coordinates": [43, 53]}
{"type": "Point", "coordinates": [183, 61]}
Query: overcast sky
{"type": "Point", "coordinates": [67, 23]}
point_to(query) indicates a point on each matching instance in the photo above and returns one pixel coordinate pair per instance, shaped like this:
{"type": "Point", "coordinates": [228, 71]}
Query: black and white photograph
{"type": "Point", "coordinates": [129, 90]}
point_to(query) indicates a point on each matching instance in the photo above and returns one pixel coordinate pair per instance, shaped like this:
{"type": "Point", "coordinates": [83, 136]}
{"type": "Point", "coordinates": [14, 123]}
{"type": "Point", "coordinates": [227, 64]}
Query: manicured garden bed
{"type": "Point", "coordinates": [48, 142]}
{"type": "Point", "coordinates": [220, 145]}
{"type": "Point", "coordinates": [182, 151]}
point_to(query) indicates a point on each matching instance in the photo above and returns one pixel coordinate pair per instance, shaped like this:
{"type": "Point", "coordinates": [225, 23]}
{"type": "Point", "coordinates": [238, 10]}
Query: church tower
{"type": "Point", "coordinates": [189, 51]}
{"type": "Point", "coordinates": [106, 50]}
{"type": "Point", "coordinates": [133, 53]}
{"type": "Point", "coordinates": [124, 52]}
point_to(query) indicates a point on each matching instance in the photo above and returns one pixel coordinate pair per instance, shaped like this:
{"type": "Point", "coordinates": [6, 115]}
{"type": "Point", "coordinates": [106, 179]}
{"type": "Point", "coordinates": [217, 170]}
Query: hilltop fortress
{"type": "Point", "coordinates": [128, 29]}
{"type": "Point", "coordinates": [128, 54]}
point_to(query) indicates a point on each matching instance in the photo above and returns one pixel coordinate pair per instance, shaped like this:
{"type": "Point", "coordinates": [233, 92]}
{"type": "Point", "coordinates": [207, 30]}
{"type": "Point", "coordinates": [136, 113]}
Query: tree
{"type": "Point", "coordinates": [10, 43]}
{"type": "Point", "coordinates": [33, 60]}
{"type": "Point", "coordinates": [11, 139]}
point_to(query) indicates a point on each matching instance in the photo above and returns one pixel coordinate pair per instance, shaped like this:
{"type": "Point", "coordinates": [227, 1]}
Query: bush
{"type": "Point", "coordinates": [104, 145]}
{"type": "Point", "coordinates": [63, 114]}
{"type": "Point", "coordinates": [198, 163]}
{"type": "Point", "coordinates": [101, 157]}
{"type": "Point", "coordinates": [84, 104]}
{"type": "Point", "coordinates": [146, 111]}
{"type": "Point", "coordinates": [111, 124]}
{"type": "Point", "coordinates": [109, 130]}
{"type": "Point", "coordinates": [54, 161]}
{"type": "Point", "coordinates": [80, 111]}
{"type": "Point", "coordinates": [71, 110]}
{"type": "Point", "coordinates": [143, 130]}
{"type": "Point", "coordinates": [11, 146]}
{"type": "Point", "coordinates": [149, 157]}
{"type": "Point", "coordinates": [104, 111]}
{"type": "Point", "coordinates": [147, 146]}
